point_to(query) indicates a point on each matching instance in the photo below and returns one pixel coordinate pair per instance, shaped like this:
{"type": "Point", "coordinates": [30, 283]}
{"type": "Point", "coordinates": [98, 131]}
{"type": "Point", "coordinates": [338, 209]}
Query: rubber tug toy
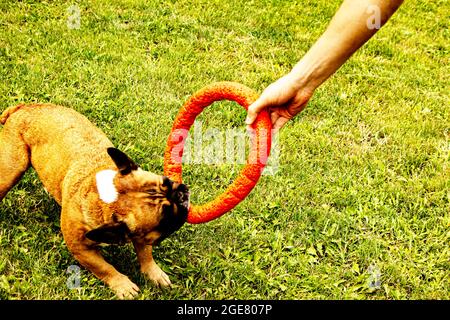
{"type": "Point", "coordinates": [257, 159]}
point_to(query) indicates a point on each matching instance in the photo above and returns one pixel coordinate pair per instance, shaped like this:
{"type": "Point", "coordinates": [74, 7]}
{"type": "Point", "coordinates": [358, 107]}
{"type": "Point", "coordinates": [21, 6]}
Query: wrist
{"type": "Point", "coordinates": [304, 76]}
{"type": "Point", "coordinates": [319, 63]}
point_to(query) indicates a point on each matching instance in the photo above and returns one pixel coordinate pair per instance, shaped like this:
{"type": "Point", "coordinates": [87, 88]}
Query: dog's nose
{"type": "Point", "coordinates": [180, 195]}
{"type": "Point", "coordinates": [168, 184]}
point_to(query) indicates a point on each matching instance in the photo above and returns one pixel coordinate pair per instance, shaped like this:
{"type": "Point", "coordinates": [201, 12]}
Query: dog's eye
{"type": "Point", "coordinates": [154, 193]}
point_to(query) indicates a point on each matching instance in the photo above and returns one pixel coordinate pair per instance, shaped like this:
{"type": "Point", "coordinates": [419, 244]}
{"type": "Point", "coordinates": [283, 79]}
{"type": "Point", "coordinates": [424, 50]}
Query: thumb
{"type": "Point", "coordinates": [254, 109]}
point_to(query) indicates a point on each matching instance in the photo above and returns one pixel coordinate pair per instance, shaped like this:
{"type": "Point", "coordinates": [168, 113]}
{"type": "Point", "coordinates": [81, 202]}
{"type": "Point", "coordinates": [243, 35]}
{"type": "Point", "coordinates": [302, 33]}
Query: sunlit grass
{"type": "Point", "coordinates": [363, 177]}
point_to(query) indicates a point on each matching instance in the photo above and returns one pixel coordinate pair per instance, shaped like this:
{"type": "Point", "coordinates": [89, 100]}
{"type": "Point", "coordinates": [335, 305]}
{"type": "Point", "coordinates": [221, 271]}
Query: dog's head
{"type": "Point", "coordinates": [145, 207]}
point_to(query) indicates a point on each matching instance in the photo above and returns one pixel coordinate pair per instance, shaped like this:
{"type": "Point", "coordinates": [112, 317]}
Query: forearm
{"type": "Point", "coordinates": [355, 22]}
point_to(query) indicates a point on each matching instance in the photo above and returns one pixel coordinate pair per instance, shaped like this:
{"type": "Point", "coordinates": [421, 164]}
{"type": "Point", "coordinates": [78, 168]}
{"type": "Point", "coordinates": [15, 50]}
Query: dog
{"type": "Point", "coordinates": [104, 196]}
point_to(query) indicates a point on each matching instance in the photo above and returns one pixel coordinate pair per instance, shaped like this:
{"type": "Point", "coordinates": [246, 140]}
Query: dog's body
{"type": "Point", "coordinates": [105, 197]}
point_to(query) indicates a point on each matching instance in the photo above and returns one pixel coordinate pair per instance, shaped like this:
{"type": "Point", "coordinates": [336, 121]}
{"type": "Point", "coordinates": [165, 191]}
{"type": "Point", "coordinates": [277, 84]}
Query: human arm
{"type": "Point", "coordinates": [355, 22]}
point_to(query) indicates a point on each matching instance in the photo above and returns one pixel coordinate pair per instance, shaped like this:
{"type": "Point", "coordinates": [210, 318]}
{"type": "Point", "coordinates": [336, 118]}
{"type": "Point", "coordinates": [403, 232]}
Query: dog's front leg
{"type": "Point", "coordinates": [149, 266]}
{"type": "Point", "coordinates": [90, 258]}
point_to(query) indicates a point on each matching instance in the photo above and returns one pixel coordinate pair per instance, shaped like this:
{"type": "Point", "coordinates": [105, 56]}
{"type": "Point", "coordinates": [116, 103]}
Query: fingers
{"type": "Point", "coordinates": [254, 109]}
{"type": "Point", "coordinates": [278, 117]}
{"type": "Point", "coordinates": [281, 121]}
{"type": "Point", "coordinates": [276, 94]}
{"type": "Point", "coordinates": [285, 99]}
{"type": "Point", "coordinates": [274, 115]}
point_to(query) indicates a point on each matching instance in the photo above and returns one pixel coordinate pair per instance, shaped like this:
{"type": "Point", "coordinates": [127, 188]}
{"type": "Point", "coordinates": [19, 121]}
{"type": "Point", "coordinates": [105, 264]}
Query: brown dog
{"type": "Point", "coordinates": [105, 197]}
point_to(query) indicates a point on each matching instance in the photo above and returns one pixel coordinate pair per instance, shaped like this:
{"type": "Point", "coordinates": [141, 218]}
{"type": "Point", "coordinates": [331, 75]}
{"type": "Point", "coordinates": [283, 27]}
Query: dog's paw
{"type": "Point", "coordinates": [157, 276]}
{"type": "Point", "coordinates": [123, 287]}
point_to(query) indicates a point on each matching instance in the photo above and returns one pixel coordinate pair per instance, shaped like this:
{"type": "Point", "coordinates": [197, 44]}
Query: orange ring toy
{"type": "Point", "coordinates": [257, 159]}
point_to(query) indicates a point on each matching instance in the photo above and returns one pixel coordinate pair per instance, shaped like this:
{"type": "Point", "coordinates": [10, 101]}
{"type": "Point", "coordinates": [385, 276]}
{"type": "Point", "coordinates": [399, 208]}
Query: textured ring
{"type": "Point", "coordinates": [258, 155]}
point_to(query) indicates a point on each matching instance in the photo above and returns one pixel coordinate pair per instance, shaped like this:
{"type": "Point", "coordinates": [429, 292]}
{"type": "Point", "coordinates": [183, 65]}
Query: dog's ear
{"type": "Point", "coordinates": [122, 161]}
{"type": "Point", "coordinates": [111, 233]}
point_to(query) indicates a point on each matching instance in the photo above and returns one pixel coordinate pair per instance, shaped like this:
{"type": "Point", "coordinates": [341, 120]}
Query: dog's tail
{"type": "Point", "coordinates": [9, 111]}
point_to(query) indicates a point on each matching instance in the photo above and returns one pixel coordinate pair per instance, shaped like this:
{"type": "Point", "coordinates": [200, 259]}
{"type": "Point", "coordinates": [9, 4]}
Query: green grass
{"type": "Point", "coordinates": [364, 173]}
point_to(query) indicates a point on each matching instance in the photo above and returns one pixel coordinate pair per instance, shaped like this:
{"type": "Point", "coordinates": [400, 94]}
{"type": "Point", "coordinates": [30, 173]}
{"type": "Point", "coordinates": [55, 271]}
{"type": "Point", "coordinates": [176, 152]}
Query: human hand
{"type": "Point", "coordinates": [284, 99]}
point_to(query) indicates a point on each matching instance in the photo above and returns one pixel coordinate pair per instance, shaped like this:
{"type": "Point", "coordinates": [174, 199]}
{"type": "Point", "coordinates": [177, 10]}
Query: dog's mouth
{"type": "Point", "coordinates": [181, 197]}
{"type": "Point", "coordinates": [175, 214]}
{"type": "Point", "coordinates": [178, 194]}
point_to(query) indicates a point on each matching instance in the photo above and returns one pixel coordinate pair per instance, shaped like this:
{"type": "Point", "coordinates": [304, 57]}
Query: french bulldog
{"type": "Point", "coordinates": [104, 196]}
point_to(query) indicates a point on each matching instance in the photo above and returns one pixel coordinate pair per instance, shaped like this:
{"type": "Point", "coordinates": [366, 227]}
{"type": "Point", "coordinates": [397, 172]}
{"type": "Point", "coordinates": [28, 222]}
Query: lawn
{"type": "Point", "coordinates": [359, 207]}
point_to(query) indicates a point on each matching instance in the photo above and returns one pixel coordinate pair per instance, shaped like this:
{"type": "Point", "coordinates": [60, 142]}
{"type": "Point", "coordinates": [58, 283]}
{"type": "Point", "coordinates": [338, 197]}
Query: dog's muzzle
{"type": "Point", "coordinates": [178, 194]}
{"type": "Point", "coordinates": [181, 196]}
{"type": "Point", "coordinates": [175, 215]}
